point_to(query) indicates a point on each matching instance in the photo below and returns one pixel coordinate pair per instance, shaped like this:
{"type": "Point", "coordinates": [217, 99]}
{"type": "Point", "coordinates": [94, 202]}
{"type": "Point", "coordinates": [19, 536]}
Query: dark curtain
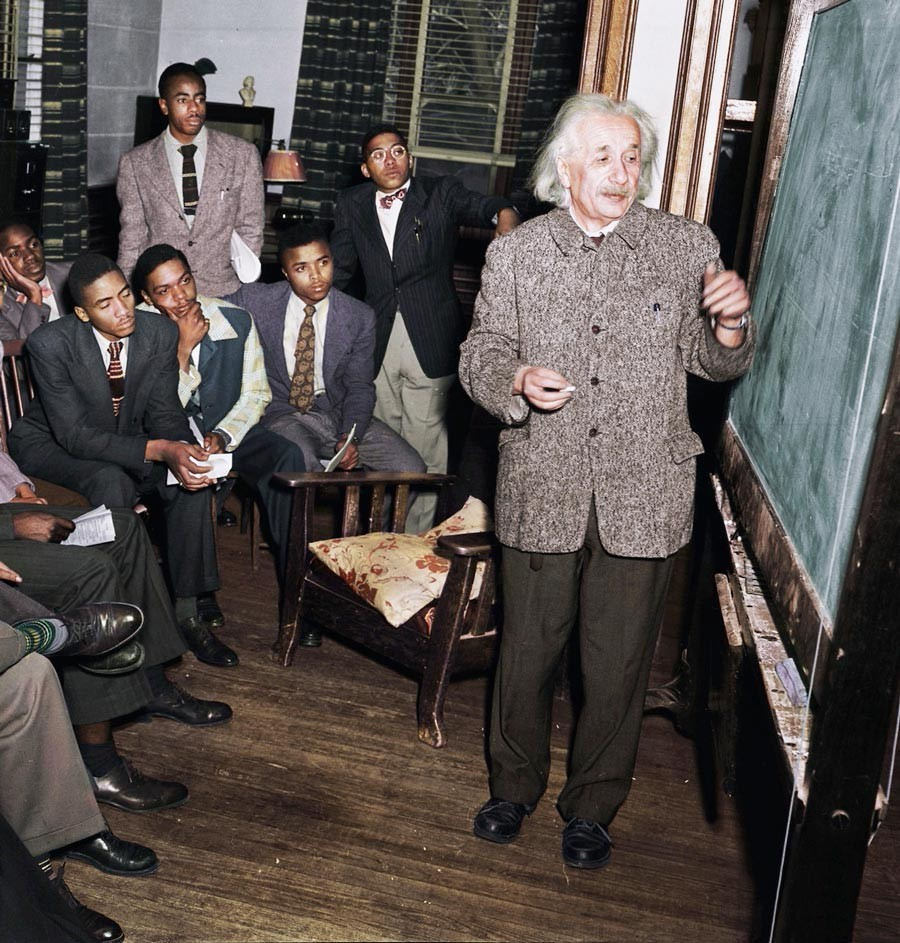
{"type": "Point", "coordinates": [340, 93]}
{"type": "Point", "coordinates": [64, 127]}
{"type": "Point", "coordinates": [555, 69]}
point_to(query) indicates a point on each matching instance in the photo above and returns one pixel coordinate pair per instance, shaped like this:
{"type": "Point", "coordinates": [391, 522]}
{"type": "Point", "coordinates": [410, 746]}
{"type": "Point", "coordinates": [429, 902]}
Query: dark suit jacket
{"type": "Point", "coordinates": [347, 367]}
{"type": "Point", "coordinates": [419, 280]}
{"type": "Point", "coordinates": [20, 318]}
{"type": "Point", "coordinates": [231, 199]}
{"type": "Point", "coordinates": [73, 407]}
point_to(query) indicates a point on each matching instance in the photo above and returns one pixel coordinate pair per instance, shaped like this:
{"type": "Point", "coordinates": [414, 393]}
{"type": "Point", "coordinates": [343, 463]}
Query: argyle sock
{"type": "Point", "coordinates": [43, 635]}
{"type": "Point", "coordinates": [45, 865]}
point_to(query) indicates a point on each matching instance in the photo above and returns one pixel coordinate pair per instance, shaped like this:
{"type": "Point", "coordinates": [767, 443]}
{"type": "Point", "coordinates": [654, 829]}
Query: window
{"type": "Point", "coordinates": [457, 77]}
{"type": "Point", "coordinates": [30, 66]}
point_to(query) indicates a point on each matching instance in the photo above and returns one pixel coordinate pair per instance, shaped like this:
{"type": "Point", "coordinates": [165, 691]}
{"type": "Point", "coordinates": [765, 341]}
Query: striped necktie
{"type": "Point", "coordinates": [116, 376]}
{"type": "Point", "coordinates": [189, 190]}
{"type": "Point", "coordinates": [304, 379]}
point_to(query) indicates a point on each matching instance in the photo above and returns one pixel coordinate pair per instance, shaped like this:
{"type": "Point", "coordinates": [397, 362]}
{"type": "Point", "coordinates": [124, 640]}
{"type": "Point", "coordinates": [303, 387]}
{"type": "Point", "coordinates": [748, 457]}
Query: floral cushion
{"type": "Point", "coordinates": [399, 574]}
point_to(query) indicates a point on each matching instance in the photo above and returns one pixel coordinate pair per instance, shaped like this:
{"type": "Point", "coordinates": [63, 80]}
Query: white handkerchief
{"type": "Point", "coordinates": [243, 259]}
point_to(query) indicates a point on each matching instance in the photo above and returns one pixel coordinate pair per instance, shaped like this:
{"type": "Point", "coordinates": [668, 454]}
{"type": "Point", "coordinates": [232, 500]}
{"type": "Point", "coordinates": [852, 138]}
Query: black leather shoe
{"type": "Point", "coordinates": [500, 821]}
{"type": "Point", "coordinates": [128, 789]}
{"type": "Point", "coordinates": [113, 855]}
{"type": "Point", "coordinates": [208, 611]}
{"type": "Point", "coordinates": [311, 638]}
{"type": "Point", "coordinates": [127, 657]}
{"type": "Point", "coordinates": [101, 928]}
{"type": "Point", "coordinates": [99, 627]}
{"type": "Point", "coordinates": [177, 704]}
{"type": "Point", "coordinates": [586, 844]}
{"type": "Point", "coordinates": [205, 646]}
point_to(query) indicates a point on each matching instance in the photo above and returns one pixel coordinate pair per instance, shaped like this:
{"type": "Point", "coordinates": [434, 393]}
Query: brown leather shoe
{"type": "Point", "coordinates": [101, 928]}
{"type": "Point", "coordinates": [128, 789]}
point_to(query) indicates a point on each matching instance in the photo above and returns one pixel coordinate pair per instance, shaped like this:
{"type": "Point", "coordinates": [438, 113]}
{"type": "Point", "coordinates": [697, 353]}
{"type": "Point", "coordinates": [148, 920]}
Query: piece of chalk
{"type": "Point", "coordinates": [568, 389]}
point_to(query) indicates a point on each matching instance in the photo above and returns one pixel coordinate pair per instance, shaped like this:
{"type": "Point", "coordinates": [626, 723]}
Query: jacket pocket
{"type": "Point", "coordinates": [684, 445]}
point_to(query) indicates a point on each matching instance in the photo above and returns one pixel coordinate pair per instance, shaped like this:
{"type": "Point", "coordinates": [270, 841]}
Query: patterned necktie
{"type": "Point", "coordinates": [116, 376]}
{"type": "Point", "coordinates": [189, 191]}
{"type": "Point", "coordinates": [304, 379]}
{"type": "Point", "coordinates": [386, 201]}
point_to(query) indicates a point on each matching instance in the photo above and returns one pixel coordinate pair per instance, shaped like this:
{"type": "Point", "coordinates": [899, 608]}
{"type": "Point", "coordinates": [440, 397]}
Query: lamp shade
{"type": "Point", "coordinates": [283, 167]}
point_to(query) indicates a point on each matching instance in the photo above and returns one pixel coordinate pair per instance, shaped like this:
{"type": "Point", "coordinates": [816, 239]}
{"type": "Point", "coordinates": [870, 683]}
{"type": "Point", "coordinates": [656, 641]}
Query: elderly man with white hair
{"type": "Point", "coordinates": [588, 322]}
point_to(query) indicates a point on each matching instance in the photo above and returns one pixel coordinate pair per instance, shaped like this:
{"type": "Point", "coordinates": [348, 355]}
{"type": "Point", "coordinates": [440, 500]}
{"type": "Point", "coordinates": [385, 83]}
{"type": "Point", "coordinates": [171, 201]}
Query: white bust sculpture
{"type": "Point", "coordinates": [247, 92]}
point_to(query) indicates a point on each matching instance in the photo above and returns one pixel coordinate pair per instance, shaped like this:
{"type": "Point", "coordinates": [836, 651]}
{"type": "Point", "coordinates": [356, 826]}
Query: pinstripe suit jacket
{"type": "Point", "coordinates": [20, 318]}
{"type": "Point", "coordinates": [231, 199]}
{"type": "Point", "coordinates": [622, 323]}
{"type": "Point", "coordinates": [418, 281]}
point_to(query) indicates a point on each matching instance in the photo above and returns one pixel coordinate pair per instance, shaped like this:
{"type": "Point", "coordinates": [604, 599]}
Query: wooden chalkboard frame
{"type": "Point", "coordinates": [857, 687]}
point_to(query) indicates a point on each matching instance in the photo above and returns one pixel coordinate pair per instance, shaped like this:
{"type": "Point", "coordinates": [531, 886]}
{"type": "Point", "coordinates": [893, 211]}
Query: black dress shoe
{"type": "Point", "coordinates": [226, 519]}
{"type": "Point", "coordinates": [208, 611]}
{"type": "Point", "coordinates": [177, 704]}
{"type": "Point", "coordinates": [127, 657]}
{"type": "Point", "coordinates": [101, 928]}
{"type": "Point", "coordinates": [311, 638]}
{"type": "Point", "coordinates": [128, 789]}
{"type": "Point", "coordinates": [205, 646]}
{"type": "Point", "coordinates": [113, 855]}
{"type": "Point", "coordinates": [586, 844]}
{"type": "Point", "coordinates": [100, 627]}
{"type": "Point", "coordinates": [500, 821]}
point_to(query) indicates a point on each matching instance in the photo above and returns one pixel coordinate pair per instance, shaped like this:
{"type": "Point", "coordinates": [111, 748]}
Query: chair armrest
{"type": "Point", "coordinates": [468, 545]}
{"type": "Point", "coordinates": [348, 478]}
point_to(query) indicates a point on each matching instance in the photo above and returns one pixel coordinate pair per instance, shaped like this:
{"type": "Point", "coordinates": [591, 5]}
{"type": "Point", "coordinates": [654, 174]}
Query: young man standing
{"type": "Point", "coordinates": [191, 187]}
{"type": "Point", "coordinates": [401, 231]}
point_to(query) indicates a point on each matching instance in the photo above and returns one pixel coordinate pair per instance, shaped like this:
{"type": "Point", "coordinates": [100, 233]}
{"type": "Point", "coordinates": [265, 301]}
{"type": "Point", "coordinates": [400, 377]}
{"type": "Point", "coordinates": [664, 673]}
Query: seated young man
{"type": "Point", "coordinates": [106, 421]}
{"type": "Point", "coordinates": [222, 381]}
{"type": "Point", "coordinates": [319, 347]}
{"type": "Point", "coordinates": [36, 289]}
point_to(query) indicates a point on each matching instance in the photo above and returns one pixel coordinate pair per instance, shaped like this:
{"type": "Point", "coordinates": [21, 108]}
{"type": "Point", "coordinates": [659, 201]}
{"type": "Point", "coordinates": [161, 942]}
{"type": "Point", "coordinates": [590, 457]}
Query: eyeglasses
{"type": "Point", "coordinates": [380, 154]}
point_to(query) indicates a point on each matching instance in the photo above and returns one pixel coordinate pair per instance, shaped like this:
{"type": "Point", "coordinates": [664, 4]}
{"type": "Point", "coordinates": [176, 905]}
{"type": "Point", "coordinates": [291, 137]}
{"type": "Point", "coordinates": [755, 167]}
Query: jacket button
{"type": "Point", "coordinates": [595, 329]}
{"type": "Point", "coordinates": [592, 433]}
{"type": "Point", "coordinates": [190, 242]}
{"type": "Point", "coordinates": [594, 381]}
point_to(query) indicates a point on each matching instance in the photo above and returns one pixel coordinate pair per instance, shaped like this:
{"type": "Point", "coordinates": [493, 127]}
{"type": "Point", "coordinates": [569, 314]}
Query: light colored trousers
{"type": "Point", "coordinates": [414, 406]}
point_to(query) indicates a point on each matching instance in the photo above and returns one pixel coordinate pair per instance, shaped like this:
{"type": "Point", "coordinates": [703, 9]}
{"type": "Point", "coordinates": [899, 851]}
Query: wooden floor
{"type": "Point", "coordinates": [316, 814]}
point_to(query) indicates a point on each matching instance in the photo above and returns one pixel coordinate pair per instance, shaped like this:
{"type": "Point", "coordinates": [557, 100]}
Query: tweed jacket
{"type": "Point", "coordinates": [622, 322]}
{"type": "Point", "coordinates": [418, 281]}
{"type": "Point", "coordinates": [20, 318]}
{"type": "Point", "coordinates": [231, 199]}
{"type": "Point", "coordinates": [347, 364]}
{"type": "Point", "coordinates": [73, 408]}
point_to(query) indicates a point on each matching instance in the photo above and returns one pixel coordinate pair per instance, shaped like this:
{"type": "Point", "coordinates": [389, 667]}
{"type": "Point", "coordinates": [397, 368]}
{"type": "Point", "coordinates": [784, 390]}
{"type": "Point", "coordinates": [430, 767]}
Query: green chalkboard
{"type": "Point", "coordinates": [827, 298]}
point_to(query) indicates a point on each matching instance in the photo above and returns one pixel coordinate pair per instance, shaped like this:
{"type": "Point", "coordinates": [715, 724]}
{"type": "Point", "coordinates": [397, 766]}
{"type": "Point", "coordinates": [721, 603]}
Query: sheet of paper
{"type": "Point", "coordinates": [331, 464]}
{"type": "Point", "coordinates": [220, 466]}
{"type": "Point", "coordinates": [93, 527]}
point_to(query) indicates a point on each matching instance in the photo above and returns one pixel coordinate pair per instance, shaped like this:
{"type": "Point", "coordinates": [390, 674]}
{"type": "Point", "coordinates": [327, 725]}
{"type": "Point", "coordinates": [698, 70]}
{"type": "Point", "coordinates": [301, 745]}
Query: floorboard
{"type": "Point", "coordinates": [316, 814]}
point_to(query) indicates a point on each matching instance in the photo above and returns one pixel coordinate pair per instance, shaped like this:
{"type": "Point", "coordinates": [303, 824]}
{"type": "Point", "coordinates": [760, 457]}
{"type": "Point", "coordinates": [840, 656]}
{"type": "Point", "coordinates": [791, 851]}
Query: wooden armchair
{"type": "Point", "coordinates": [463, 634]}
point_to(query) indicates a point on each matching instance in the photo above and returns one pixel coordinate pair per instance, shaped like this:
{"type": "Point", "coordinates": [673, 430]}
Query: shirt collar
{"type": "Point", "coordinates": [173, 143]}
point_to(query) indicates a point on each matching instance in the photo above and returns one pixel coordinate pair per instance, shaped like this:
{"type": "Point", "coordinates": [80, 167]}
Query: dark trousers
{"type": "Point", "coordinates": [261, 454]}
{"type": "Point", "coordinates": [190, 541]}
{"type": "Point", "coordinates": [620, 601]}
{"type": "Point", "coordinates": [126, 570]}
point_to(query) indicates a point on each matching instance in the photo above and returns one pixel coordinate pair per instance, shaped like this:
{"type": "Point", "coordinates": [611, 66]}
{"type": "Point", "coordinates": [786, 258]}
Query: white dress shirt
{"type": "Point", "coordinates": [176, 163]}
{"type": "Point", "coordinates": [104, 343]}
{"type": "Point", "coordinates": [293, 318]}
{"type": "Point", "coordinates": [388, 217]}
